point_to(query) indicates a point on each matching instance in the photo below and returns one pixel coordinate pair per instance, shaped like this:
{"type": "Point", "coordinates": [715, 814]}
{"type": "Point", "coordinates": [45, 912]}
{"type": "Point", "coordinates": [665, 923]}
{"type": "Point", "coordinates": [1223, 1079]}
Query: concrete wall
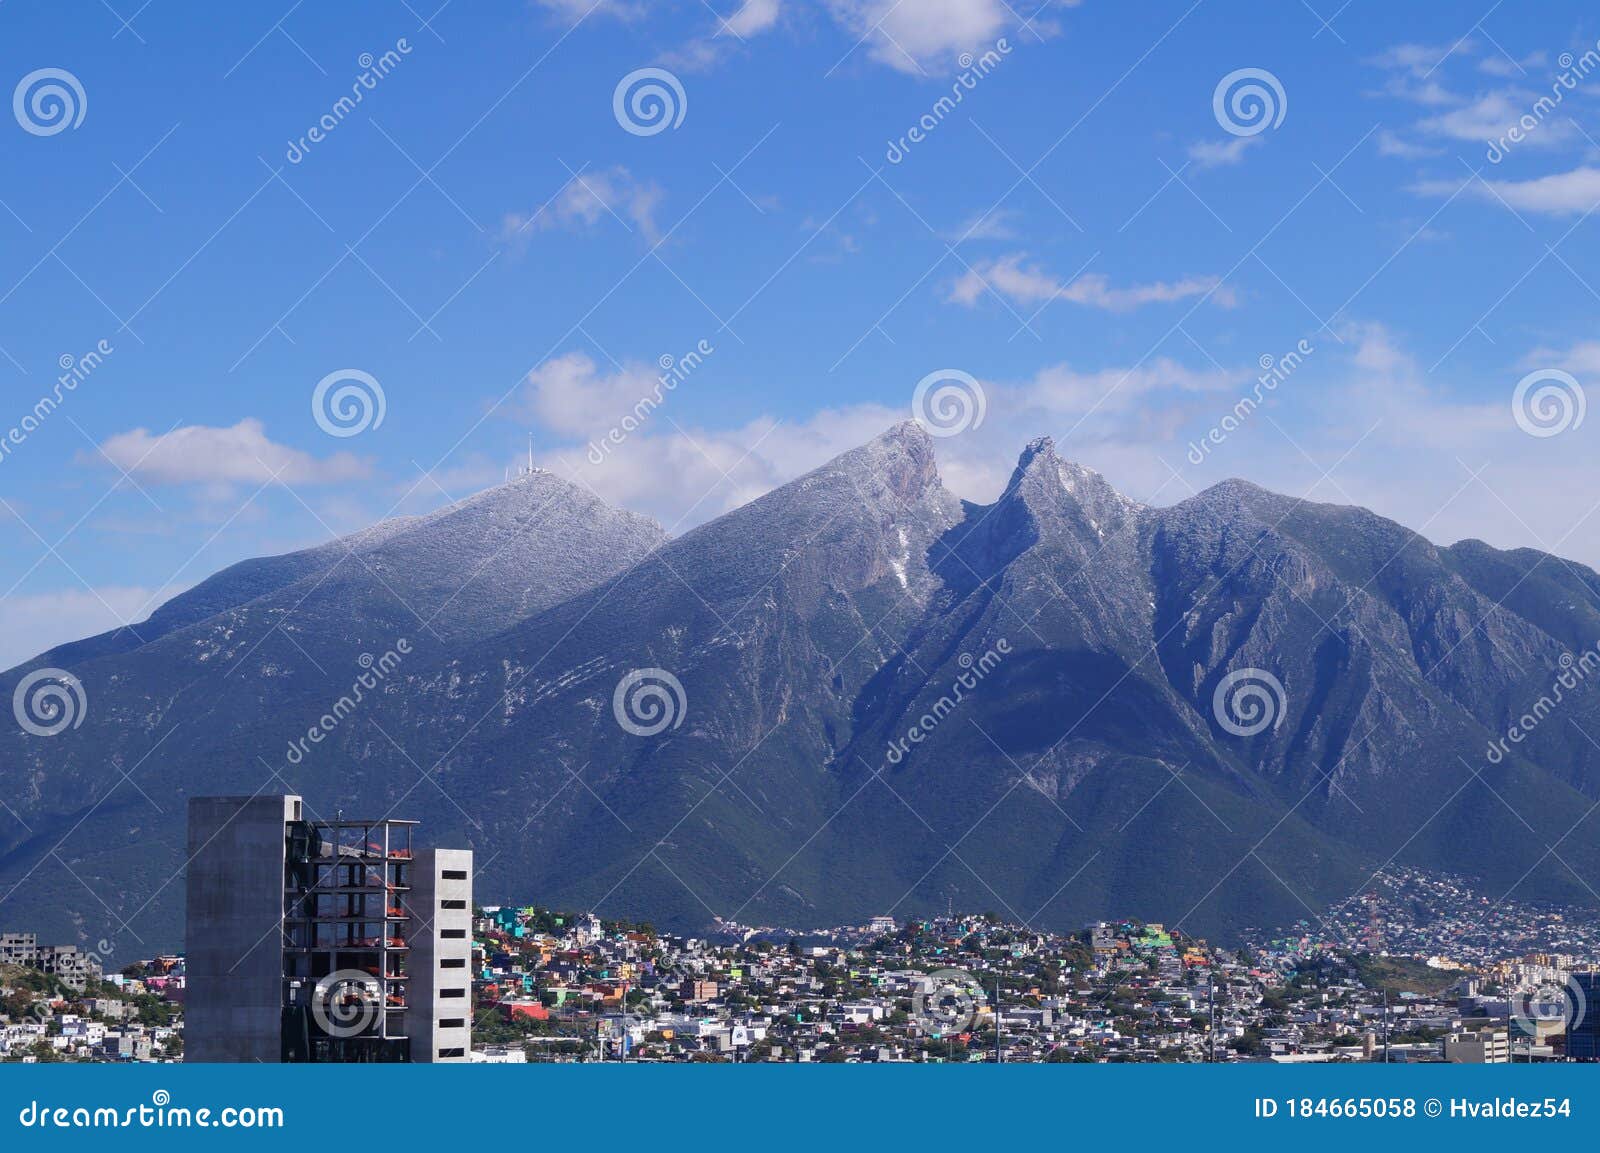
{"type": "Point", "coordinates": [234, 933]}
{"type": "Point", "coordinates": [18, 948]}
{"type": "Point", "coordinates": [440, 964]}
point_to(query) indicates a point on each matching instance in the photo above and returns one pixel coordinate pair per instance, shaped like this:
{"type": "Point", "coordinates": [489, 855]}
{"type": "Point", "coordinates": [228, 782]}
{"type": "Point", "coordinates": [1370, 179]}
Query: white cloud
{"type": "Point", "coordinates": [674, 471]}
{"type": "Point", "coordinates": [1421, 60]}
{"type": "Point", "coordinates": [922, 35]}
{"type": "Point", "coordinates": [748, 21]}
{"type": "Point", "coordinates": [574, 11]}
{"type": "Point", "coordinates": [237, 455]}
{"type": "Point", "coordinates": [1399, 441]}
{"type": "Point", "coordinates": [1404, 443]}
{"type": "Point", "coordinates": [1490, 116]}
{"type": "Point", "coordinates": [585, 200]}
{"type": "Point", "coordinates": [1560, 194]}
{"type": "Point", "coordinates": [1413, 71]}
{"type": "Point", "coordinates": [1390, 144]}
{"type": "Point", "coordinates": [1030, 284]}
{"type": "Point", "coordinates": [661, 466]}
{"type": "Point", "coordinates": [995, 224]}
{"type": "Point", "coordinates": [1218, 153]}
{"type": "Point", "coordinates": [1007, 276]}
{"type": "Point", "coordinates": [1429, 93]}
{"type": "Point", "coordinates": [1060, 389]}
{"type": "Point", "coordinates": [686, 475]}
{"type": "Point", "coordinates": [1582, 358]}
{"type": "Point", "coordinates": [752, 18]}
{"type": "Point", "coordinates": [34, 623]}
{"type": "Point", "coordinates": [1504, 66]}
{"type": "Point", "coordinates": [569, 394]}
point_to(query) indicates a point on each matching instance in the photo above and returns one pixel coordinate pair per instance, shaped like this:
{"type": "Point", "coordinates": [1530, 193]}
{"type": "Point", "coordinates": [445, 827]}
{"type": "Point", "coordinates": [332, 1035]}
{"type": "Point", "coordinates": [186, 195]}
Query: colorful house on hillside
{"type": "Point", "coordinates": [1154, 937]}
{"type": "Point", "coordinates": [508, 921]}
{"type": "Point", "coordinates": [523, 1010]}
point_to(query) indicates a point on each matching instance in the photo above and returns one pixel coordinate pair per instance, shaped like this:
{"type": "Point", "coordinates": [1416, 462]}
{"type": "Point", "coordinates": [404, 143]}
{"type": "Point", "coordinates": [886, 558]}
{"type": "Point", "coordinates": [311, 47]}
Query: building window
{"type": "Point", "coordinates": [453, 1023]}
{"type": "Point", "coordinates": [453, 934]}
{"type": "Point", "coordinates": [452, 904]}
{"type": "Point", "coordinates": [452, 993]}
{"type": "Point", "coordinates": [452, 1053]}
{"type": "Point", "coordinates": [453, 874]}
{"type": "Point", "coordinates": [453, 963]}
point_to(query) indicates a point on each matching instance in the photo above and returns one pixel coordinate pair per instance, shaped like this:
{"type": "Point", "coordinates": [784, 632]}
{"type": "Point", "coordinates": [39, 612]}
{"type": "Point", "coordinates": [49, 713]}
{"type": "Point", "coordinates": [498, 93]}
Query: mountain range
{"type": "Point", "coordinates": [855, 695]}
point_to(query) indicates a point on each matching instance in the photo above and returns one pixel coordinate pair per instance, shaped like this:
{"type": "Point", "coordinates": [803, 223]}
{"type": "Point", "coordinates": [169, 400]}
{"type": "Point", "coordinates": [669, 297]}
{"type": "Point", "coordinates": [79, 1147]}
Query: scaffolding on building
{"type": "Point", "coordinates": [346, 927]}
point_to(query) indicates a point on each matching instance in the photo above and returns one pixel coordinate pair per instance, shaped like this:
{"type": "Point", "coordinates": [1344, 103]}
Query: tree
{"type": "Point", "coordinates": [46, 1053]}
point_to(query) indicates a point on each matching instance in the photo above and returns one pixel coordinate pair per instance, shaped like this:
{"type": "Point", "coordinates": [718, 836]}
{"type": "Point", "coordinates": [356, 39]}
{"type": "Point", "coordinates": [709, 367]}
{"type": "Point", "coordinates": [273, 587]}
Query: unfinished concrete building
{"type": "Point", "coordinates": [323, 941]}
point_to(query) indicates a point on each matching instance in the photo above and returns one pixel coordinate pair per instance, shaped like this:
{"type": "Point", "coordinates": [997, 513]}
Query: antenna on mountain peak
{"type": "Point", "coordinates": [527, 469]}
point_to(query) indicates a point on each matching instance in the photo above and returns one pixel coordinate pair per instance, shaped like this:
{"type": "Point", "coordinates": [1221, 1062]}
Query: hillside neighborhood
{"type": "Point", "coordinates": [1417, 969]}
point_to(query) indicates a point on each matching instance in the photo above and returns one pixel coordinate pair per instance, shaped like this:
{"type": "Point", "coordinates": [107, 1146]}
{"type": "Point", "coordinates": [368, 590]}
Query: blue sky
{"type": "Point", "coordinates": [482, 236]}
